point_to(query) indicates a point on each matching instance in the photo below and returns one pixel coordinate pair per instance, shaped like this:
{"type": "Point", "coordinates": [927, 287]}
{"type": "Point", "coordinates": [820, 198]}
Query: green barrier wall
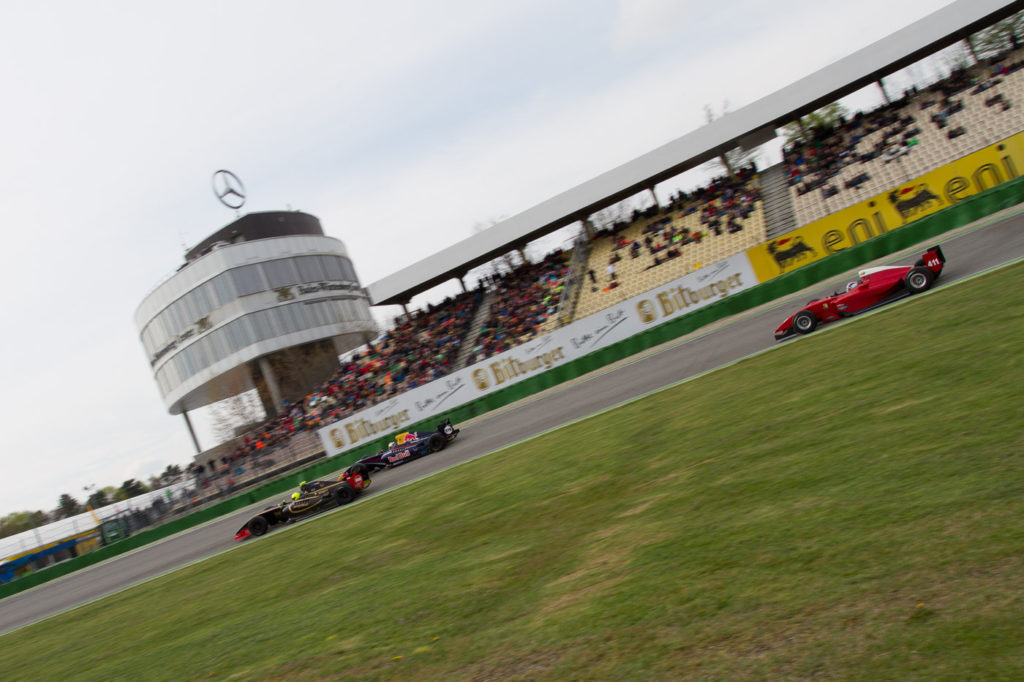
{"type": "Point", "coordinates": [967, 211]}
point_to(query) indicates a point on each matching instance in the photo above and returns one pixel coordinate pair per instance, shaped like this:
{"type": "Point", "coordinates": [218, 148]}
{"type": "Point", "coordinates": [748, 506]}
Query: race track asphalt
{"type": "Point", "coordinates": [968, 251]}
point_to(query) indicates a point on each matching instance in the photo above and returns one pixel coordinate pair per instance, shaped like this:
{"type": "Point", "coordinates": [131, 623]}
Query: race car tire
{"type": "Point", "coordinates": [436, 442]}
{"type": "Point", "coordinates": [344, 494]}
{"type": "Point", "coordinates": [361, 469]}
{"type": "Point", "coordinates": [805, 322]}
{"type": "Point", "coordinates": [258, 525]}
{"type": "Point", "coordinates": [918, 280]}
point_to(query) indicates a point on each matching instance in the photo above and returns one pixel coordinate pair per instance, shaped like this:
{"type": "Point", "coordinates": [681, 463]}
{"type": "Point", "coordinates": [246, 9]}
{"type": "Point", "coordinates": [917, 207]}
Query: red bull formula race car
{"type": "Point", "coordinates": [872, 288]}
{"type": "Point", "coordinates": [312, 498]}
{"type": "Point", "coordinates": [408, 446]}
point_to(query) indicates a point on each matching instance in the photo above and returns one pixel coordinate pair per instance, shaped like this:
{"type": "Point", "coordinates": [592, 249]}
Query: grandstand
{"type": "Point", "coordinates": [731, 213]}
{"type": "Point", "coordinates": [923, 130]}
{"type": "Point", "coordinates": [664, 243]}
{"type": "Point", "coordinates": [871, 153]}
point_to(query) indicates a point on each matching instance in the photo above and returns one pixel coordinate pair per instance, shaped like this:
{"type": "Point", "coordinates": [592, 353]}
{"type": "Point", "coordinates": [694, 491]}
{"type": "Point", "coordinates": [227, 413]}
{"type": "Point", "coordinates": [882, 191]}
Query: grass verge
{"type": "Point", "coordinates": [847, 507]}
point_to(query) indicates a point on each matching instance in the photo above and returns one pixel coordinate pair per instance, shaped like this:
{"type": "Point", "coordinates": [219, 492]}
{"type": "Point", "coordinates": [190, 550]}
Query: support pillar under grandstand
{"type": "Point", "coordinates": [885, 95]}
{"type": "Point", "coordinates": [405, 311]}
{"type": "Point", "coordinates": [191, 431]}
{"type": "Point", "coordinates": [462, 283]}
{"type": "Point", "coordinates": [588, 227]}
{"type": "Point", "coordinates": [970, 48]}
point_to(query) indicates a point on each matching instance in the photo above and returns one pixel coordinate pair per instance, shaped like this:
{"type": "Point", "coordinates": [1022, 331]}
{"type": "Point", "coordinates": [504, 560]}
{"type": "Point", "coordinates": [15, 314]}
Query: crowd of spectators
{"type": "Point", "coordinates": [523, 301]}
{"type": "Point", "coordinates": [815, 162]}
{"type": "Point", "coordinates": [419, 349]}
{"type": "Point", "coordinates": [424, 346]}
{"type": "Point", "coordinates": [722, 206]}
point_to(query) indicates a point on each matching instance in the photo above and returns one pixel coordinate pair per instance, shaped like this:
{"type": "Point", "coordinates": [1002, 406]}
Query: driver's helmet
{"type": "Point", "coordinates": [391, 444]}
{"type": "Point", "coordinates": [295, 496]}
{"type": "Point", "coordinates": [851, 286]}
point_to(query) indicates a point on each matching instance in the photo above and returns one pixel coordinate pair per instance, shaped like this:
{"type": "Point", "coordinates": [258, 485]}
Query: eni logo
{"type": "Point", "coordinates": [480, 379]}
{"type": "Point", "coordinates": [646, 311]}
{"type": "Point", "coordinates": [337, 439]}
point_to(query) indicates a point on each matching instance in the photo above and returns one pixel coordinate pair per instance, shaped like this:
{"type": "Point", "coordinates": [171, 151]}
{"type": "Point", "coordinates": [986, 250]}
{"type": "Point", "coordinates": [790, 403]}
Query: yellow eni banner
{"type": "Point", "coordinates": [915, 199]}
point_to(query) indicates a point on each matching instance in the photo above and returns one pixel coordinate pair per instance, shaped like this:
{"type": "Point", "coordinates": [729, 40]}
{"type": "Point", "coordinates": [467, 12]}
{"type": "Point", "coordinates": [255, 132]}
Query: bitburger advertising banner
{"type": "Point", "coordinates": [890, 210]}
{"type": "Point", "coordinates": [616, 323]}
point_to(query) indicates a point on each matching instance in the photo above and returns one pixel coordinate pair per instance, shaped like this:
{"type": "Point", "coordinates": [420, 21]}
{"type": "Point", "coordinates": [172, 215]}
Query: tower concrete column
{"type": "Point", "coordinates": [272, 386]}
{"type": "Point", "coordinates": [339, 345]}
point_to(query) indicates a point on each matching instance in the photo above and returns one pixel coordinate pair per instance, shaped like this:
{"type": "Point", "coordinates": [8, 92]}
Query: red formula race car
{"type": "Point", "coordinates": [872, 288]}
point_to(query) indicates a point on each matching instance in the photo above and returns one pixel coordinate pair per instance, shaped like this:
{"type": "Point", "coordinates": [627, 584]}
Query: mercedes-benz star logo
{"type": "Point", "coordinates": [229, 189]}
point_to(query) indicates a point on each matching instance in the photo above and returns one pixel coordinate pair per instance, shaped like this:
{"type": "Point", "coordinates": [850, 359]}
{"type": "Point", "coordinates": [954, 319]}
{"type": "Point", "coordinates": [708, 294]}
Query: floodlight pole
{"type": "Point", "coordinates": [191, 431]}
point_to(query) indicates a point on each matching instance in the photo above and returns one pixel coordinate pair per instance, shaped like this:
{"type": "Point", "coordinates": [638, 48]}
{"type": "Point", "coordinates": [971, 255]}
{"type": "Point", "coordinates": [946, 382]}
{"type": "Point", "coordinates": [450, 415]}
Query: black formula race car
{"type": "Point", "coordinates": [872, 288]}
{"type": "Point", "coordinates": [410, 445]}
{"type": "Point", "coordinates": [312, 498]}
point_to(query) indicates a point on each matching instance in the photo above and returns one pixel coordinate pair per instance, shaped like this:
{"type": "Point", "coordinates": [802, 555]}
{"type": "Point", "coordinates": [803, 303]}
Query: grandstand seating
{"type": "Point", "coordinates": [868, 155]}
{"type": "Point", "coordinates": [523, 302]}
{"type": "Point", "coordinates": [420, 348]}
{"type": "Point", "coordinates": [924, 130]}
{"type": "Point", "coordinates": [676, 229]}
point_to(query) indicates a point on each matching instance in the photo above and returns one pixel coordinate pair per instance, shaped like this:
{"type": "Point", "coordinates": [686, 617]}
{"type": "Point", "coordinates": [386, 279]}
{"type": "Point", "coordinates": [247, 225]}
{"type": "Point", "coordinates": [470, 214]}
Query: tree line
{"type": "Point", "coordinates": [68, 505]}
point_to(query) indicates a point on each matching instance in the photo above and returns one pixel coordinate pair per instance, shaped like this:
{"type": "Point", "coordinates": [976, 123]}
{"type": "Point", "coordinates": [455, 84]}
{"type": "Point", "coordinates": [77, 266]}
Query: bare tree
{"type": "Point", "coordinates": [737, 157]}
{"type": "Point", "coordinates": [242, 409]}
{"type": "Point", "coordinates": [958, 57]}
{"type": "Point", "coordinates": [502, 264]}
{"type": "Point", "coordinates": [998, 38]}
{"type": "Point", "coordinates": [621, 211]}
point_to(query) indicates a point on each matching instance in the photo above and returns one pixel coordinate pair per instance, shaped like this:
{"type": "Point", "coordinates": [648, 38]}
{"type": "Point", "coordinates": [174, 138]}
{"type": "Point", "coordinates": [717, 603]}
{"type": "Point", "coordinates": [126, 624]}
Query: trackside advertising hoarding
{"type": "Point", "coordinates": [679, 297]}
{"type": "Point", "coordinates": [913, 200]}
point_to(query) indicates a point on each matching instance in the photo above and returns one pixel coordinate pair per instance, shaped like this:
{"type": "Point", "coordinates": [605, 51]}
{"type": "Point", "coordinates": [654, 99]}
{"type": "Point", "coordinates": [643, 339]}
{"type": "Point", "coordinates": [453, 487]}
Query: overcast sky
{"type": "Point", "coordinates": [401, 125]}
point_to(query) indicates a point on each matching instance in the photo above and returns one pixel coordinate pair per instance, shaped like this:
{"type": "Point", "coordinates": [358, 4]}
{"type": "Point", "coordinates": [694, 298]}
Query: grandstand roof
{"type": "Point", "coordinates": [750, 126]}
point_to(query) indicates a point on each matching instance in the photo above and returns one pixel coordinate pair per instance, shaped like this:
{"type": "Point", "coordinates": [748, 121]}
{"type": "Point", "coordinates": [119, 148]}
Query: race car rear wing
{"type": "Point", "coordinates": [933, 259]}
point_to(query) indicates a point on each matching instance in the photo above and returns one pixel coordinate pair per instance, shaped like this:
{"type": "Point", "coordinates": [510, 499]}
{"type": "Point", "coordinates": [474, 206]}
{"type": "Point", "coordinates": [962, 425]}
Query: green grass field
{"type": "Point", "coordinates": [846, 507]}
